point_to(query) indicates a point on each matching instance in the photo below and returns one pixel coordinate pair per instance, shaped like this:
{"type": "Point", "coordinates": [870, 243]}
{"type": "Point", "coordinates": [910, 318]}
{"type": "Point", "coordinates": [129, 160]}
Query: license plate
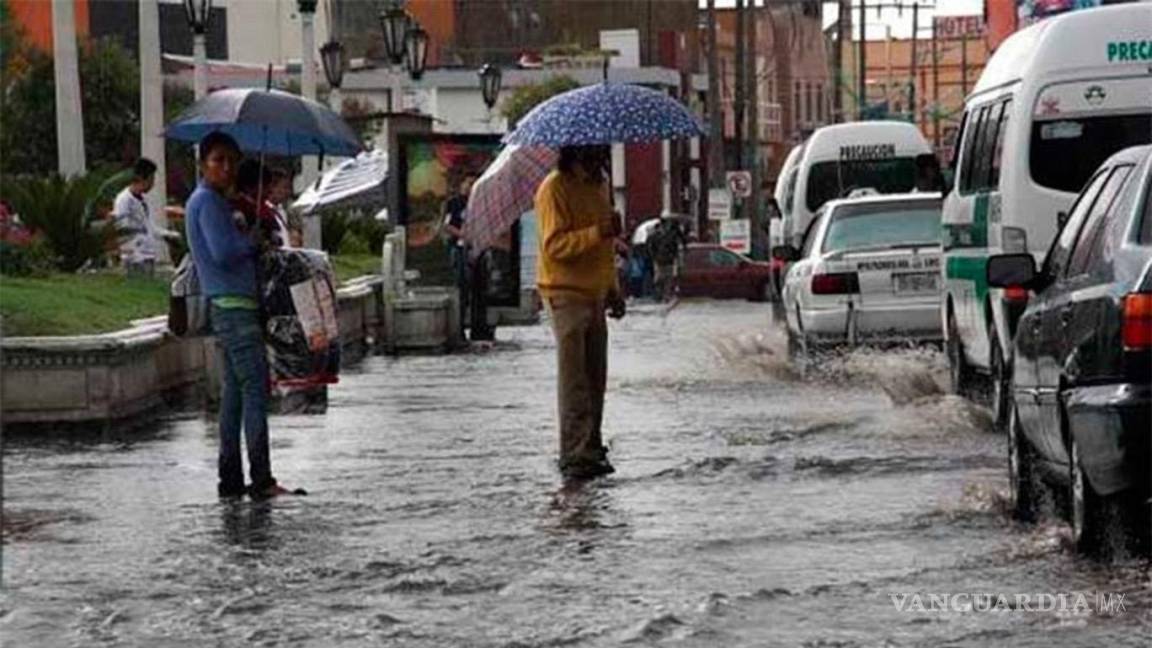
{"type": "Point", "coordinates": [915, 282]}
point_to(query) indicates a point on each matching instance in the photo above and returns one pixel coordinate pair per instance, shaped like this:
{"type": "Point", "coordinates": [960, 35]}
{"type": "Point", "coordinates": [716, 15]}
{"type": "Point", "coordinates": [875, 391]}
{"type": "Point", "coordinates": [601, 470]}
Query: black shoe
{"type": "Point", "coordinates": [588, 469]}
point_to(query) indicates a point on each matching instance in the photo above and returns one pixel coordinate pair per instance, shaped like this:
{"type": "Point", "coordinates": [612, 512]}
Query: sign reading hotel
{"type": "Point", "coordinates": [958, 27]}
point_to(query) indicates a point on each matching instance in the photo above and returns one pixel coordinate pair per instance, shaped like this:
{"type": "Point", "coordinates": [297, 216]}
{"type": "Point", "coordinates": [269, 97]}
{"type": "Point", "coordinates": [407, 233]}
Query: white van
{"type": "Point", "coordinates": [1054, 102]}
{"type": "Point", "coordinates": [835, 160]}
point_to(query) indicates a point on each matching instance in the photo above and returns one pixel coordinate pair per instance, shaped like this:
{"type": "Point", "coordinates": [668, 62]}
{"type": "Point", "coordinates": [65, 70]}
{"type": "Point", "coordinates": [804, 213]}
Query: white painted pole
{"type": "Point", "coordinates": [69, 109]}
{"type": "Point", "coordinates": [152, 113]}
{"type": "Point", "coordinates": [309, 163]}
{"type": "Point", "coordinates": [200, 65]}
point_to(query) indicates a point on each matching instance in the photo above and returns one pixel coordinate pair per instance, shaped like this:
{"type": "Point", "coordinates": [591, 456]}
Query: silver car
{"type": "Point", "coordinates": [868, 271]}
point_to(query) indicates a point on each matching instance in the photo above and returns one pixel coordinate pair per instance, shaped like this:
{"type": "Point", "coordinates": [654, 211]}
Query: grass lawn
{"type": "Point", "coordinates": [81, 304]}
{"type": "Point", "coordinates": [77, 304]}
{"type": "Point", "coordinates": [348, 266]}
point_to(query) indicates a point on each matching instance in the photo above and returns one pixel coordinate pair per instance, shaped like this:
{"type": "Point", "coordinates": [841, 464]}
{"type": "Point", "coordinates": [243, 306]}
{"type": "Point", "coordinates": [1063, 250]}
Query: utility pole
{"type": "Point", "coordinates": [310, 165]}
{"type": "Point", "coordinates": [70, 158]}
{"type": "Point", "coordinates": [152, 113]}
{"type": "Point", "coordinates": [912, 65]}
{"type": "Point", "coordinates": [964, 66]}
{"type": "Point", "coordinates": [843, 16]}
{"type": "Point", "coordinates": [716, 166]}
{"type": "Point", "coordinates": [739, 102]}
{"type": "Point", "coordinates": [935, 89]}
{"type": "Point", "coordinates": [754, 211]}
{"type": "Point", "coordinates": [862, 82]}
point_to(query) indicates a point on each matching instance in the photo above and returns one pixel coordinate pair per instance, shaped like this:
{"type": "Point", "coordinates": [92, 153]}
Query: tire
{"type": "Point", "coordinates": [1088, 510]}
{"type": "Point", "coordinates": [960, 375]}
{"type": "Point", "coordinates": [999, 381]}
{"type": "Point", "coordinates": [1025, 490]}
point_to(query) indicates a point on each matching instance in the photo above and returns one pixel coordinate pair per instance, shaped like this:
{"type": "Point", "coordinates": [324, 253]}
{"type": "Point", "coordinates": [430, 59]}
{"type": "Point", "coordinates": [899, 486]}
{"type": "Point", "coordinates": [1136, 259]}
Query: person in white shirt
{"type": "Point", "coordinates": [279, 184]}
{"type": "Point", "coordinates": [140, 238]}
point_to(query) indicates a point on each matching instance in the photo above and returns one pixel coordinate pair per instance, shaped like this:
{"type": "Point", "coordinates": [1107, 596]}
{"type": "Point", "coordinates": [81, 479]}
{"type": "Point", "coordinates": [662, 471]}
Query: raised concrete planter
{"type": "Point", "coordinates": [422, 319]}
{"type": "Point", "coordinates": [97, 378]}
{"type": "Point", "coordinates": [127, 375]}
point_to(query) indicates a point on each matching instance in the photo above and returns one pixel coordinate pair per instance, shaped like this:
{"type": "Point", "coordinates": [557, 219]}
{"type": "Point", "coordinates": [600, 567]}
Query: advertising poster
{"type": "Point", "coordinates": [433, 167]}
{"type": "Point", "coordinates": [1030, 11]}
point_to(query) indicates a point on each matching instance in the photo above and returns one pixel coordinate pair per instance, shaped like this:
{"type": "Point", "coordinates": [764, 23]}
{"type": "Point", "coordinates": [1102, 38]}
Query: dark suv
{"type": "Point", "coordinates": [1081, 415]}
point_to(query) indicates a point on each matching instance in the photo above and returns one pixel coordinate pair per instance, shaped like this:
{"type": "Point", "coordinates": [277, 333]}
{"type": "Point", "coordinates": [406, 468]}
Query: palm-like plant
{"type": "Point", "coordinates": [66, 213]}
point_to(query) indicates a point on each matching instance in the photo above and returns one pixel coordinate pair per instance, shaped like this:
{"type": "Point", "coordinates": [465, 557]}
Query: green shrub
{"type": "Point", "coordinates": [31, 259]}
{"type": "Point", "coordinates": [354, 245]}
{"type": "Point", "coordinates": [371, 231]}
{"type": "Point", "coordinates": [66, 213]}
{"type": "Point", "coordinates": [333, 227]}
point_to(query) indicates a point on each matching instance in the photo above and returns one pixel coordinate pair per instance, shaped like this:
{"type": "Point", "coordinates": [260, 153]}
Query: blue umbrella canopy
{"type": "Point", "coordinates": [267, 121]}
{"type": "Point", "coordinates": [605, 113]}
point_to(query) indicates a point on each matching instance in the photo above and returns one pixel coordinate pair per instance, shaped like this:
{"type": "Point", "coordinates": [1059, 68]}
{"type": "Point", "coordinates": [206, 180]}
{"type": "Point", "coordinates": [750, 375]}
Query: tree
{"type": "Point", "coordinates": [526, 97]}
{"type": "Point", "coordinates": [110, 88]}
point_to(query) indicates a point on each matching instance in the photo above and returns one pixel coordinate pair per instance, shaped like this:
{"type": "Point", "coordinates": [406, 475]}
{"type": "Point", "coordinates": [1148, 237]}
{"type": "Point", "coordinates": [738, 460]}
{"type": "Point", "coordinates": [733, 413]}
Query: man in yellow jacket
{"type": "Point", "coordinates": [576, 277]}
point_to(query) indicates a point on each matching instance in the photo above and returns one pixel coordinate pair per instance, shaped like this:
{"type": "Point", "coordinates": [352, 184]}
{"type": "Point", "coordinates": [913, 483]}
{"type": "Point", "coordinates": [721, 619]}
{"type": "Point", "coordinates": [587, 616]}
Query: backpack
{"type": "Point", "coordinates": [187, 305]}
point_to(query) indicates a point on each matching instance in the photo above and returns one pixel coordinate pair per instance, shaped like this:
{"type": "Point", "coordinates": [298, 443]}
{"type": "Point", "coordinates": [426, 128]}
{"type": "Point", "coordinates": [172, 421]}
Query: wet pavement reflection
{"type": "Point", "coordinates": [750, 508]}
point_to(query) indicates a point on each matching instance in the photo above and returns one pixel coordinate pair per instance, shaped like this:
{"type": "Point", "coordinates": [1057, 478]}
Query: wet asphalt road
{"type": "Point", "coordinates": [750, 508]}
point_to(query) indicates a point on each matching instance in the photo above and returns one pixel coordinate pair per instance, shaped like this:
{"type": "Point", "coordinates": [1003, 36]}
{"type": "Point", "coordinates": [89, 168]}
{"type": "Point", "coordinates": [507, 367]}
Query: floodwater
{"type": "Point", "coordinates": [750, 508]}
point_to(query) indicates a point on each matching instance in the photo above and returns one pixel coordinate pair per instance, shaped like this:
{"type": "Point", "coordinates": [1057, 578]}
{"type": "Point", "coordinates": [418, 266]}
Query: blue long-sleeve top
{"type": "Point", "coordinates": [225, 259]}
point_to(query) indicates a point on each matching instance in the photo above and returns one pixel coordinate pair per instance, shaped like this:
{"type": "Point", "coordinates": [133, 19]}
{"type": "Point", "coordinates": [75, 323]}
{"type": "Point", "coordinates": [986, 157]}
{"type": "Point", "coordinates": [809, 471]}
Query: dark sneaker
{"type": "Point", "coordinates": [588, 469]}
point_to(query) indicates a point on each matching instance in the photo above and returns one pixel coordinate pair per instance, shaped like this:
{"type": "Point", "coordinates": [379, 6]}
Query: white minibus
{"type": "Point", "coordinates": [1055, 100]}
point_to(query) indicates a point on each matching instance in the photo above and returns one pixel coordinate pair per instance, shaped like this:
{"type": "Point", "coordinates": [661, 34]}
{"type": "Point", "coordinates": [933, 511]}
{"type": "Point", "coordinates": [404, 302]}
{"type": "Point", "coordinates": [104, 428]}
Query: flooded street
{"type": "Point", "coordinates": [749, 508]}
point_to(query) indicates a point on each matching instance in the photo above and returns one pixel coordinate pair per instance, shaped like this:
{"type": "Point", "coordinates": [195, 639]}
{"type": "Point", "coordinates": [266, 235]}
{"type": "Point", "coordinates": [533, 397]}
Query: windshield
{"type": "Point", "coordinates": [833, 179]}
{"type": "Point", "coordinates": [856, 227]}
{"type": "Point", "coordinates": [1066, 152]}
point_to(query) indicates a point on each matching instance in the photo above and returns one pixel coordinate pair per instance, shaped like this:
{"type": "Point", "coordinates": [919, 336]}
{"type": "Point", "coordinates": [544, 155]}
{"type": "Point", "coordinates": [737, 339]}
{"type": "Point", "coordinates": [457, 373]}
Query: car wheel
{"type": "Point", "coordinates": [959, 374]}
{"type": "Point", "coordinates": [1025, 489]}
{"type": "Point", "coordinates": [1089, 524]}
{"type": "Point", "coordinates": [1000, 381]}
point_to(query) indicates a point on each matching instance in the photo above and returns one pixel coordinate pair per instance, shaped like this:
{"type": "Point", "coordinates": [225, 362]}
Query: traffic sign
{"type": "Point", "coordinates": [740, 183]}
{"type": "Point", "coordinates": [736, 235]}
{"type": "Point", "coordinates": [719, 204]}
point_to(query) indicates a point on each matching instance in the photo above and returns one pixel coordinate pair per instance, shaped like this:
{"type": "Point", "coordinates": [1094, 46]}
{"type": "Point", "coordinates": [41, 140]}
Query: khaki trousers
{"type": "Point", "coordinates": [582, 358]}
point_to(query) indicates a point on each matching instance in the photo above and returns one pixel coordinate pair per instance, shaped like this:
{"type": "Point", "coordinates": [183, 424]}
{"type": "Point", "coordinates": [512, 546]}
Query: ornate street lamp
{"type": "Point", "coordinates": [490, 80]}
{"type": "Point", "coordinates": [394, 23]}
{"type": "Point", "coordinates": [332, 57]}
{"type": "Point", "coordinates": [199, 13]}
{"type": "Point", "coordinates": [416, 51]}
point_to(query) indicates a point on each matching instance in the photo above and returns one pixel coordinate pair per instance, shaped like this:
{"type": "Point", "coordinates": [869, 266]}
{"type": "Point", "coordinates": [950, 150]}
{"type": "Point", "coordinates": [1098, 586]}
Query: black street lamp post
{"type": "Point", "coordinates": [332, 58]}
{"type": "Point", "coordinates": [416, 51]}
{"type": "Point", "coordinates": [490, 79]}
{"type": "Point", "coordinates": [394, 23]}
{"type": "Point", "coordinates": [199, 13]}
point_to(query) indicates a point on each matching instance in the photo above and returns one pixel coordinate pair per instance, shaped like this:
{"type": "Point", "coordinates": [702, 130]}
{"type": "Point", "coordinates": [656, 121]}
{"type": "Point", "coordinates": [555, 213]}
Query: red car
{"type": "Point", "coordinates": [710, 270]}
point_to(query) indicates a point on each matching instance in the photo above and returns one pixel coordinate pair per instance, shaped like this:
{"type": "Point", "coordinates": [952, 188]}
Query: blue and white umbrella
{"type": "Point", "coordinates": [267, 121]}
{"type": "Point", "coordinates": [605, 113]}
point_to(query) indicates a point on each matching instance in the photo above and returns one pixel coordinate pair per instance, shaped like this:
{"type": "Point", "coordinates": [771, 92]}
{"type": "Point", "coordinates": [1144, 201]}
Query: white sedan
{"type": "Point", "coordinates": [868, 271]}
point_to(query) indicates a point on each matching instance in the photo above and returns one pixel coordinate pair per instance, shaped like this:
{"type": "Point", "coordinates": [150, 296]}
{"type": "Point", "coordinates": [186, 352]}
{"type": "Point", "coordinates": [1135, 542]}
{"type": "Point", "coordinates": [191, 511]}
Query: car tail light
{"type": "Point", "coordinates": [1137, 328]}
{"type": "Point", "coordinates": [836, 283]}
{"type": "Point", "coordinates": [1015, 294]}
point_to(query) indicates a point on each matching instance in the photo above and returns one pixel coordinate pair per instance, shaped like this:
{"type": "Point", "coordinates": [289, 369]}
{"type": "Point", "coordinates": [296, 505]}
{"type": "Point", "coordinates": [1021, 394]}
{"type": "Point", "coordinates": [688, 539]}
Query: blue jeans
{"type": "Point", "coordinates": [243, 399]}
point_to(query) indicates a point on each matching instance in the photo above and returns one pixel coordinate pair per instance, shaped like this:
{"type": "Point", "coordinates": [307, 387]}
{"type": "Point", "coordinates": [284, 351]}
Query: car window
{"type": "Point", "coordinates": [697, 259]}
{"type": "Point", "coordinates": [982, 165]}
{"type": "Point", "coordinates": [1089, 245]}
{"type": "Point", "coordinates": [1146, 225]}
{"type": "Point", "coordinates": [724, 259]}
{"type": "Point", "coordinates": [1057, 257]}
{"type": "Point", "coordinates": [837, 179]}
{"type": "Point", "coordinates": [810, 236]}
{"type": "Point", "coordinates": [1065, 152]}
{"type": "Point", "coordinates": [971, 150]}
{"type": "Point", "coordinates": [883, 225]}
{"type": "Point", "coordinates": [998, 147]}
{"type": "Point", "coordinates": [954, 160]}
{"type": "Point", "coordinates": [790, 190]}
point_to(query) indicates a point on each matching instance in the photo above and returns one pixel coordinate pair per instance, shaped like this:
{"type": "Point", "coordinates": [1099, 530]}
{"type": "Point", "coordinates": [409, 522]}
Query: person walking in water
{"type": "Point", "coordinates": [576, 277]}
{"type": "Point", "coordinates": [225, 261]}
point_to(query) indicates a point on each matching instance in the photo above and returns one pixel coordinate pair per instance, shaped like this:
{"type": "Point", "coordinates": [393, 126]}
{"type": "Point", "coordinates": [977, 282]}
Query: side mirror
{"type": "Point", "coordinates": [1061, 219]}
{"type": "Point", "coordinates": [785, 253]}
{"type": "Point", "coordinates": [1011, 270]}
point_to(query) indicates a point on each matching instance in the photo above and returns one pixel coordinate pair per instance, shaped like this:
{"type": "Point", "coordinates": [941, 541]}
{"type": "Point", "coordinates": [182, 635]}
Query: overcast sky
{"type": "Point", "coordinates": [901, 25]}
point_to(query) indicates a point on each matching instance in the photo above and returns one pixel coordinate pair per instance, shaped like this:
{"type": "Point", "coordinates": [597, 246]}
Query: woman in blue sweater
{"type": "Point", "coordinates": [225, 260]}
